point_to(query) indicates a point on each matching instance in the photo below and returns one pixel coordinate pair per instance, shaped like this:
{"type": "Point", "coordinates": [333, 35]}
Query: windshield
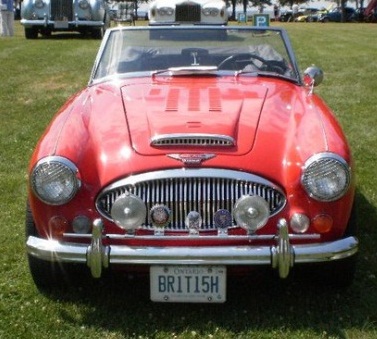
{"type": "Point", "coordinates": [134, 51]}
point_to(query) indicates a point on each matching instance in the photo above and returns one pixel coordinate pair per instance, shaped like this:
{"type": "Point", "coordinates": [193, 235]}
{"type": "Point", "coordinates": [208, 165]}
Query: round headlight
{"type": "Point", "coordinates": [165, 11]}
{"type": "Point", "coordinates": [39, 4]}
{"type": "Point", "coordinates": [54, 180]}
{"type": "Point", "coordinates": [210, 11]}
{"type": "Point", "coordinates": [129, 211]}
{"type": "Point", "coordinates": [326, 177]}
{"type": "Point", "coordinates": [251, 212]}
{"type": "Point", "coordinates": [83, 4]}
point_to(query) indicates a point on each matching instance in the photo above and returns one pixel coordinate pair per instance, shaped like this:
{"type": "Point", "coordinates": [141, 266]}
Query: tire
{"type": "Point", "coordinates": [49, 275]}
{"type": "Point", "coordinates": [97, 33]}
{"type": "Point", "coordinates": [31, 33]}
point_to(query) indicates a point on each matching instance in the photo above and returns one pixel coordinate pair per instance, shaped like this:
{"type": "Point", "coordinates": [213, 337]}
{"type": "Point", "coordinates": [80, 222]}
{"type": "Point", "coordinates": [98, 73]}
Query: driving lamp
{"type": "Point", "coordinates": [251, 212]}
{"type": "Point", "coordinates": [128, 211]}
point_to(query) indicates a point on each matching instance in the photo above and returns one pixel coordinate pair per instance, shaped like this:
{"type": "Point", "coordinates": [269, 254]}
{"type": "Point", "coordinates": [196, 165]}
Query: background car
{"type": "Point", "coordinates": [195, 153]}
{"type": "Point", "coordinates": [47, 16]}
{"type": "Point", "coordinates": [335, 15]}
{"type": "Point", "coordinates": [309, 15]}
{"type": "Point", "coordinates": [206, 12]}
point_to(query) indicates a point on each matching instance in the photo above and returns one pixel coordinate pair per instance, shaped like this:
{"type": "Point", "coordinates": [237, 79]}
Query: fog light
{"type": "Point", "coordinates": [322, 223]}
{"type": "Point", "coordinates": [251, 212]}
{"type": "Point", "coordinates": [299, 223]}
{"type": "Point", "coordinates": [81, 224]}
{"type": "Point", "coordinates": [129, 211]}
{"type": "Point", "coordinates": [193, 222]}
{"type": "Point", "coordinates": [57, 226]}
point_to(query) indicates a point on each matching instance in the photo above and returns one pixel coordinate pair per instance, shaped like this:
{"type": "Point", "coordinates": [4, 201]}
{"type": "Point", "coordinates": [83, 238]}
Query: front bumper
{"type": "Point", "coordinates": [282, 256]}
{"type": "Point", "coordinates": [61, 25]}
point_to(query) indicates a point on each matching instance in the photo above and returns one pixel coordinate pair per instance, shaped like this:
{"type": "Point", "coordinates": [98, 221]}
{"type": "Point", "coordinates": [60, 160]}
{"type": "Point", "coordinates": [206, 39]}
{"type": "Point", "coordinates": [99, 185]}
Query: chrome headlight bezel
{"type": "Point", "coordinates": [55, 180]}
{"type": "Point", "coordinates": [210, 11]}
{"type": "Point", "coordinates": [326, 177]}
{"type": "Point", "coordinates": [84, 4]}
{"type": "Point", "coordinates": [165, 11]}
{"type": "Point", "coordinates": [39, 4]}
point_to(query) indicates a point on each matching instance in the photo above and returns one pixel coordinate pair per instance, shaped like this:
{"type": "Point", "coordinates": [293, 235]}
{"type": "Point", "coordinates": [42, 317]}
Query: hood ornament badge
{"type": "Point", "coordinates": [191, 159]}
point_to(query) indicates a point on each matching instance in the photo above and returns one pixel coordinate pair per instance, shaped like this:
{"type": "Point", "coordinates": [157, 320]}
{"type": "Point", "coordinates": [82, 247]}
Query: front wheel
{"type": "Point", "coordinates": [31, 33]}
{"type": "Point", "coordinates": [97, 33]}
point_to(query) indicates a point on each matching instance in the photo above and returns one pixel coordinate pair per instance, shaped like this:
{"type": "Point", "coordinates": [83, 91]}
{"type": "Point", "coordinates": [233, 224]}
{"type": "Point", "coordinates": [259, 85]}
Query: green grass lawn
{"type": "Point", "coordinates": [37, 76]}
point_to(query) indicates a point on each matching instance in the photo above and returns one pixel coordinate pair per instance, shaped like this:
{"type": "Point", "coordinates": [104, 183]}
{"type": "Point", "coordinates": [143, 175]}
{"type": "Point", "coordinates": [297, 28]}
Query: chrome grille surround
{"type": "Point", "coordinates": [205, 190]}
{"type": "Point", "coordinates": [187, 12]}
{"type": "Point", "coordinates": [62, 10]}
{"type": "Point", "coordinates": [206, 140]}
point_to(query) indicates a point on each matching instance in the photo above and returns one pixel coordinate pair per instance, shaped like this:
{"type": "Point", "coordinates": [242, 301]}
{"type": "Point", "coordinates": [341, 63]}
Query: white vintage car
{"type": "Point", "coordinates": [204, 12]}
{"type": "Point", "coordinates": [46, 16]}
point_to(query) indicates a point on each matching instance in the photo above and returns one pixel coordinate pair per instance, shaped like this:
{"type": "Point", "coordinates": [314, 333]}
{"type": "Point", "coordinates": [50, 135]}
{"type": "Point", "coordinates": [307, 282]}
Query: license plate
{"type": "Point", "coordinates": [194, 284]}
{"type": "Point", "coordinates": [61, 24]}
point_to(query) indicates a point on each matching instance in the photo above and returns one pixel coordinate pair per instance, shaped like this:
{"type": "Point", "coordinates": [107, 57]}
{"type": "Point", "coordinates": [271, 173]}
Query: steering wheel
{"type": "Point", "coordinates": [239, 61]}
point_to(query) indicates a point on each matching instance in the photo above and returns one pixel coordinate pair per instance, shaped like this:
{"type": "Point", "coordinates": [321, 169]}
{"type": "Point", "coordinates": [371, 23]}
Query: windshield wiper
{"type": "Point", "coordinates": [187, 70]}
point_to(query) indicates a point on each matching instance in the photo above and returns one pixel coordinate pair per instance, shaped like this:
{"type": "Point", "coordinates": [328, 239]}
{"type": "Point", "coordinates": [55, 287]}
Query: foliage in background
{"type": "Point", "coordinates": [36, 77]}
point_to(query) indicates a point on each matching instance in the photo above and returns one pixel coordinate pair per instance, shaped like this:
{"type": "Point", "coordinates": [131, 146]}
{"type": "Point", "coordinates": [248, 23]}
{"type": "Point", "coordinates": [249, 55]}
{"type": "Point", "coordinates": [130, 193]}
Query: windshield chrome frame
{"type": "Point", "coordinates": [284, 35]}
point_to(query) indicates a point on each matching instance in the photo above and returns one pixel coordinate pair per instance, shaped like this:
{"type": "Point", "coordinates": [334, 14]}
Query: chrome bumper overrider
{"type": "Point", "coordinates": [282, 256]}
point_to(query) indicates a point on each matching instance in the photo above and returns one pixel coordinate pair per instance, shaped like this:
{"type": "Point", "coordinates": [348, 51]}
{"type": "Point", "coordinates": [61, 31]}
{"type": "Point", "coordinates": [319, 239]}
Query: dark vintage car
{"type": "Point", "coordinates": [335, 15]}
{"type": "Point", "coordinates": [192, 156]}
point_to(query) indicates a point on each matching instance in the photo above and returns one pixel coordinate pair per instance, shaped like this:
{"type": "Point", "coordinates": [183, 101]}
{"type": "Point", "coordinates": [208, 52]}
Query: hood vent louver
{"type": "Point", "coordinates": [200, 140]}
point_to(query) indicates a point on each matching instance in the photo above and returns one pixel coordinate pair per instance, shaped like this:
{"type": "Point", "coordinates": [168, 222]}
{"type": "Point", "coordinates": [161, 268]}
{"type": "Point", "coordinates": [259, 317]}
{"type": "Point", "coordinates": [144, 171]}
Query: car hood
{"type": "Point", "coordinates": [175, 112]}
{"type": "Point", "coordinates": [274, 124]}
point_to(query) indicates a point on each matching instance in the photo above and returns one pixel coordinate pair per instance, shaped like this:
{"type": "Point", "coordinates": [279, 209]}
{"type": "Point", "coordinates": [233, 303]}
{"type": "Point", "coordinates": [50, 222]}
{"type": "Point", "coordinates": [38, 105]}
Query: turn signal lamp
{"type": "Point", "coordinates": [57, 226]}
{"type": "Point", "coordinates": [322, 223]}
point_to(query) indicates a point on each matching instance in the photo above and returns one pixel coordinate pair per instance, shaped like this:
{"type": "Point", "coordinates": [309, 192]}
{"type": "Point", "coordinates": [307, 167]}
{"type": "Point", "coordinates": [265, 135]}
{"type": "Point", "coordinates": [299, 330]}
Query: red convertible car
{"type": "Point", "coordinates": [194, 153]}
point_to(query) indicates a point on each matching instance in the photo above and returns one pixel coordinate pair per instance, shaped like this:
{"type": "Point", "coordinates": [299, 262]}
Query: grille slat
{"type": "Point", "coordinates": [182, 194]}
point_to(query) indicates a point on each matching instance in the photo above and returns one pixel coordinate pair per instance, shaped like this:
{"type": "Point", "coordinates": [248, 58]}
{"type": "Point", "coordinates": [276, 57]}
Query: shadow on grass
{"type": "Point", "coordinates": [67, 36]}
{"type": "Point", "coordinates": [258, 303]}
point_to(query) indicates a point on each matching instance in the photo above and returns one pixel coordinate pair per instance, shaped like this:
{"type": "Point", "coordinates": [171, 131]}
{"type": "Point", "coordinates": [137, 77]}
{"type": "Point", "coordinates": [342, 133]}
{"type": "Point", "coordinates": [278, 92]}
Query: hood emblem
{"type": "Point", "coordinates": [191, 159]}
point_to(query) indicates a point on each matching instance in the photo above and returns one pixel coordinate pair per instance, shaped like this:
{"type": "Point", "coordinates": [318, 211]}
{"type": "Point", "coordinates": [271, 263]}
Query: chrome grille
{"type": "Point", "coordinates": [185, 190]}
{"type": "Point", "coordinates": [62, 10]}
{"type": "Point", "coordinates": [187, 12]}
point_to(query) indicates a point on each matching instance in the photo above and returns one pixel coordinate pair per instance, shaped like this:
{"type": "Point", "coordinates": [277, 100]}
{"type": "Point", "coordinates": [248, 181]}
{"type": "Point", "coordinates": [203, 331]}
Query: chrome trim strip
{"type": "Point", "coordinates": [193, 139]}
{"type": "Point", "coordinates": [76, 23]}
{"type": "Point", "coordinates": [266, 237]}
{"type": "Point", "coordinates": [191, 173]}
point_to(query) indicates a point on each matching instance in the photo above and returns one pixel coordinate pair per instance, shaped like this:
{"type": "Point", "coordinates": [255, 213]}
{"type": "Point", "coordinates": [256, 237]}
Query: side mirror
{"type": "Point", "coordinates": [313, 76]}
